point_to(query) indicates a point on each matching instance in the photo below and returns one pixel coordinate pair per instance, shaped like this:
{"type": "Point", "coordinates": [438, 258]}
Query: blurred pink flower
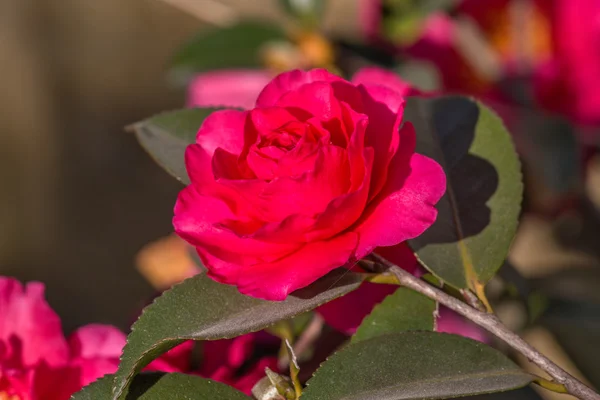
{"type": "Point", "coordinates": [570, 82]}
{"type": "Point", "coordinates": [36, 361]}
{"type": "Point", "coordinates": [227, 88]}
{"type": "Point", "coordinates": [239, 362]}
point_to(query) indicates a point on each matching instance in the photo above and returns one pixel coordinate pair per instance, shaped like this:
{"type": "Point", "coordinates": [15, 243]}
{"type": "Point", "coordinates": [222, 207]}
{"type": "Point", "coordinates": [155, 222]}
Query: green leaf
{"type": "Point", "coordinates": [414, 365]}
{"type": "Point", "coordinates": [202, 309]}
{"type": "Point", "coordinates": [404, 310]}
{"type": "Point", "coordinates": [478, 215]}
{"type": "Point", "coordinates": [158, 386]}
{"type": "Point", "coordinates": [236, 46]}
{"type": "Point", "coordinates": [165, 137]}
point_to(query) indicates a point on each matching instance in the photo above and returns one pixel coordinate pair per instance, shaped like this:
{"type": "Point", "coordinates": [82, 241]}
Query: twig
{"type": "Point", "coordinates": [492, 324]}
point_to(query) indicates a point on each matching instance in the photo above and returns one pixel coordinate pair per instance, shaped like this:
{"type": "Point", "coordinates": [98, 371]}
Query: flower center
{"type": "Point", "coordinates": [285, 137]}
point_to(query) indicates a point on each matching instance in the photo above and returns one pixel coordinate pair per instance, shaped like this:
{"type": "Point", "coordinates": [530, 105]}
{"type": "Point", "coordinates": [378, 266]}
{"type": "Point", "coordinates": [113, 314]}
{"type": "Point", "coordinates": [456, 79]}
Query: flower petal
{"type": "Point", "coordinates": [289, 81]}
{"type": "Point", "coordinates": [384, 107]}
{"type": "Point", "coordinates": [274, 281]}
{"type": "Point", "coordinates": [96, 340]}
{"type": "Point", "coordinates": [178, 359]}
{"type": "Point", "coordinates": [405, 208]}
{"type": "Point", "coordinates": [222, 129]}
{"type": "Point", "coordinates": [227, 88]}
{"type": "Point", "coordinates": [30, 325]}
{"type": "Point", "coordinates": [375, 76]}
{"type": "Point", "coordinates": [346, 313]}
{"type": "Point", "coordinates": [197, 220]}
{"type": "Point", "coordinates": [451, 322]}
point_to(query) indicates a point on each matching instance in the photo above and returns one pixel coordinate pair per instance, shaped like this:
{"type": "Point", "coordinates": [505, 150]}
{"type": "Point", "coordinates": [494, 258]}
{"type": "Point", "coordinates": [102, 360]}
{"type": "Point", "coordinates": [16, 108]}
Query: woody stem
{"type": "Point", "coordinates": [491, 323]}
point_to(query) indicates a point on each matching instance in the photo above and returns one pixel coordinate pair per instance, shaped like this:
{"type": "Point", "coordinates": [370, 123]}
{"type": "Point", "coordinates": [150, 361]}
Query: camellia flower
{"type": "Point", "coordinates": [36, 361]}
{"type": "Point", "coordinates": [318, 174]}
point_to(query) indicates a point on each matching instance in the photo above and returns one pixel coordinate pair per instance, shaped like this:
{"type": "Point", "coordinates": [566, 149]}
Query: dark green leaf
{"type": "Point", "coordinates": [237, 46]}
{"type": "Point", "coordinates": [202, 309]}
{"type": "Point", "coordinates": [414, 365]}
{"type": "Point", "coordinates": [158, 386]}
{"type": "Point", "coordinates": [404, 310]}
{"type": "Point", "coordinates": [478, 215]}
{"type": "Point", "coordinates": [165, 137]}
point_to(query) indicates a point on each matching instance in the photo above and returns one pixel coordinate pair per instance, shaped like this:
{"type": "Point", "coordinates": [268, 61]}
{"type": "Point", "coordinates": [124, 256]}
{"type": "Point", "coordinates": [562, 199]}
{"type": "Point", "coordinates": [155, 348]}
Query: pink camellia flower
{"type": "Point", "coordinates": [231, 88]}
{"type": "Point", "coordinates": [318, 174]}
{"type": "Point", "coordinates": [36, 361]}
{"type": "Point", "coordinates": [569, 83]}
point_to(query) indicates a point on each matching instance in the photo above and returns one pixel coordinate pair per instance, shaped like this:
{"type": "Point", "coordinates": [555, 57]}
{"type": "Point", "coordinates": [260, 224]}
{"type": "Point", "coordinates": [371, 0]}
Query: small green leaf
{"type": "Point", "coordinates": [202, 309]}
{"type": "Point", "coordinates": [165, 137]}
{"type": "Point", "coordinates": [236, 46]}
{"type": "Point", "coordinates": [414, 365]}
{"type": "Point", "coordinates": [478, 215]}
{"type": "Point", "coordinates": [404, 310]}
{"type": "Point", "coordinates": [158, 386]}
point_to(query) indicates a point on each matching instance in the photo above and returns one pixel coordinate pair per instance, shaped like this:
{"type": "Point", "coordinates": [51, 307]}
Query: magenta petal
{"type": "Point", "coordinates": [227, 88]}
{"type": "Point", "coordinates": [178, 359]}
{"type": "Point", "coordinates": [97, 340]}
{"type": "Point", "coordinates": [405, 208]}
{"type": "Point", "coordinates": [384, 107]}
{"type": "Point", "coordinates": [402, 256]}
{"type": "Point", "coordinates": [29, 322]}
{"type": "Point", "coordinates": [292, 80]}
{"type": "Point", "coordinates": [316, 98]}
{"type": "Point", "coordinates": [451, 322]}
{"type": "Point", "coordinates": [197, 220]}
{"type": "Point", "coordinates": [222, 129]}
{"type": "Point", "coordinates": [346, 313]}
{"type": "Point", "coordinates": [246, 382]}
{"type": "Point", "coordinates": [93, 369]}
{"type": "Point", "coordinates": [375, 76]}
{"type": "Point", "coordinates": [311, 192]}
{"type": "Point", "coordinates": [275, 280]}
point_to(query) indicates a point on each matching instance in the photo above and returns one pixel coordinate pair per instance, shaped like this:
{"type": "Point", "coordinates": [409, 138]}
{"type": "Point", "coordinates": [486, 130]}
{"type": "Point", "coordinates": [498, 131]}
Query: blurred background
{"type": "Point", "coordinates": [80, 198]}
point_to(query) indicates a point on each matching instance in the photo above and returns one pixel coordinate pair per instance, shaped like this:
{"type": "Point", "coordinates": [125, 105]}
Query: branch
{"type": "Point", "coordinates": [492, 324]}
